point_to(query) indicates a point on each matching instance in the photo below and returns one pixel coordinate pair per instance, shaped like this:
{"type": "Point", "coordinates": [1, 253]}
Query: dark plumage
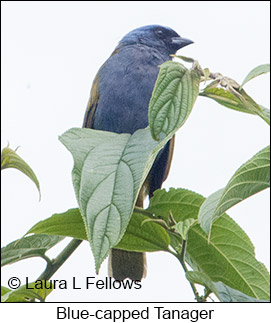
{"type": "Point", "coordinates": [119, 100]}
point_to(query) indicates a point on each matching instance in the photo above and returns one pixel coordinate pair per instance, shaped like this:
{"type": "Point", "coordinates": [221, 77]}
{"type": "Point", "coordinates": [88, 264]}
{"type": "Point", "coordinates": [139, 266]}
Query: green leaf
{"type": "Point", "coordinates": [251, 178]}
{"type": "Point", "coordinates": [67, 224]}
{"type": "Point", "coordinates": [174, 95]}
{"type": "Point", "coordinates": [10, 159]}
{"type": "Point", "coordinates": [229, 254]}
{"type": "Point", "coordinates": [181, 203]}
{"type": "Point", "coordinates": [259, 70]}
{"type": "Point", "coordinates": [240, 102]}
{"type": "Point", "coordinates": [184, 58]}
{"type": "Point", "coordinates": [29, 293]}
{"type": "Point", "coordinates": [41, 287]}
{"type": "Point", "coordinates": [207, 210]}
{"type": "Point", "coordinates": [206, 73]}
{"type": "Point", "coordinates": [109, 170]}
{"type": "Point", "coordinates": [266, 114]}
{"type": "Point", "coordinates": [183, 227]}
{"type": "Point", "coordinates": [21, 296]}
{"type": "Point", "coordinates": [4, 290]}
{"type": "Point", "coordinates": [32, 246]}
{"type": "Point", "coordinates": [253, 106]}
{"type": "Point", "coordinates": [225, 98]}
{"type": "Point", "coordinates": [221, 290]}
{"type": "Point", "coordinates": [147, 237]}
{"type": "Point", "coordinates": [228, 294]}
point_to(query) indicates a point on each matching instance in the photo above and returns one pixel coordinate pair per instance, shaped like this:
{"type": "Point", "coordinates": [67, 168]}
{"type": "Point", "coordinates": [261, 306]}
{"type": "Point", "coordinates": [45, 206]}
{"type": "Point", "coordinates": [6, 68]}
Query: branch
{"type": "Point", "coordinates": [55, 264]}
{"type": "Point", "coordinates": [181, 257]}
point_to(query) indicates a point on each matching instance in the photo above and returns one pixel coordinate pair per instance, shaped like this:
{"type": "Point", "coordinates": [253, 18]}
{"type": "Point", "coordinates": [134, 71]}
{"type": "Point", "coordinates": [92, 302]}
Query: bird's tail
{"type": "Point", "coordinates": [128, 264]}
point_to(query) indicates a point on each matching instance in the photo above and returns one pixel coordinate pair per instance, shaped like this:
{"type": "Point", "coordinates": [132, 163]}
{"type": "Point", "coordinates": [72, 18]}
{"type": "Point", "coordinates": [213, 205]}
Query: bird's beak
{"type": "Point", "coordinates": [179, 42]}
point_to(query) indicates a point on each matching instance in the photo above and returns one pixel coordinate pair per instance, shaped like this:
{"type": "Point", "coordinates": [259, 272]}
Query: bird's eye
{"type": "Point", "coordinates": [159, 32]}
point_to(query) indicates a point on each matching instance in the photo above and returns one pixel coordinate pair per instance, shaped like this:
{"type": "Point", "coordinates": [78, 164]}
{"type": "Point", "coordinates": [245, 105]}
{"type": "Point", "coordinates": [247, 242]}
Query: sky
{"type": "Point", "coordinates": [51, 52]}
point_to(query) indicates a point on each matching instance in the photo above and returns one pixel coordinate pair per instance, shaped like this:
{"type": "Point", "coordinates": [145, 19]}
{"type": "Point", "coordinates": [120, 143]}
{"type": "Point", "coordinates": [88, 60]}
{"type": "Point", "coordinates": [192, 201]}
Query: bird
{"type": "Point", "coordinates": [118, 103]}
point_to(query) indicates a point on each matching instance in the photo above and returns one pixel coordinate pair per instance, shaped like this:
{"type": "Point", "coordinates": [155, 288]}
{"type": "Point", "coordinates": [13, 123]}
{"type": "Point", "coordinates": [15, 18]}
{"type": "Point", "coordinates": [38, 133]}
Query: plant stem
{"type": "Point", "coordinates": [181, 257]}
{"type": "Point", "coordinates": [55, 264]}
{"type": "Point", "coordinates": [140, 210]}
{"type": "Point", "coordinates": [207, 294]}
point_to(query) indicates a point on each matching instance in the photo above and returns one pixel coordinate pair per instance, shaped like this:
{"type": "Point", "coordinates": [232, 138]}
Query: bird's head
{"type": "Point", "coordinates": [156, 36]}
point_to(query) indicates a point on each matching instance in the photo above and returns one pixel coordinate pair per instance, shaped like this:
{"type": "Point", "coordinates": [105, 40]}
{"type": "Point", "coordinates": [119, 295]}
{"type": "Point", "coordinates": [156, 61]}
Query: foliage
{"type": "Point", "coordinates": [109, 170]}
{"type": "Point", "coordinates": [10, 159]}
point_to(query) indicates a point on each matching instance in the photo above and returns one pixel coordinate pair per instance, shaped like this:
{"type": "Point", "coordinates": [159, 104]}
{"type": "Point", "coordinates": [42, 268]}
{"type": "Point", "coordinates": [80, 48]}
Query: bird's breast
{"type": "Point", "coordinates": [126, 81]}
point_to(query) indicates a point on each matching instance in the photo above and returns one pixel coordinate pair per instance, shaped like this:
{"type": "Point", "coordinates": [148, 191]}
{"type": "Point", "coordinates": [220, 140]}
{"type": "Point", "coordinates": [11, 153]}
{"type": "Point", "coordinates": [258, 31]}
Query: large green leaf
{"type": "Point", "coordinates": [229, 257]}
{"type": "Point", "coordinates": [261, 69]}
{"type": "Point", "coordinates": [108, 172]}
{"type": "Point", "coordinates": [174, 95]}
{"type": "Point", "coordinates": [32, 246]}
{"type": "Point", "coordinates": [147, 237]}
{"type": "Point", "coordinates": [229, 254]}
{"type": "Point", "coordinates": [221, 290]}
{"type": "Point", "coordinates": [251, 178]}
{"type": "Point", "coordinates": [10, 159]}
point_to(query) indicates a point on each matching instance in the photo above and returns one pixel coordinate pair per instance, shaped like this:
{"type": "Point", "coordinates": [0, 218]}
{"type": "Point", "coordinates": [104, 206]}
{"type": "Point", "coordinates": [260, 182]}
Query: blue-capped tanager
{"type": "Point", "coordinates": [119, 101]}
